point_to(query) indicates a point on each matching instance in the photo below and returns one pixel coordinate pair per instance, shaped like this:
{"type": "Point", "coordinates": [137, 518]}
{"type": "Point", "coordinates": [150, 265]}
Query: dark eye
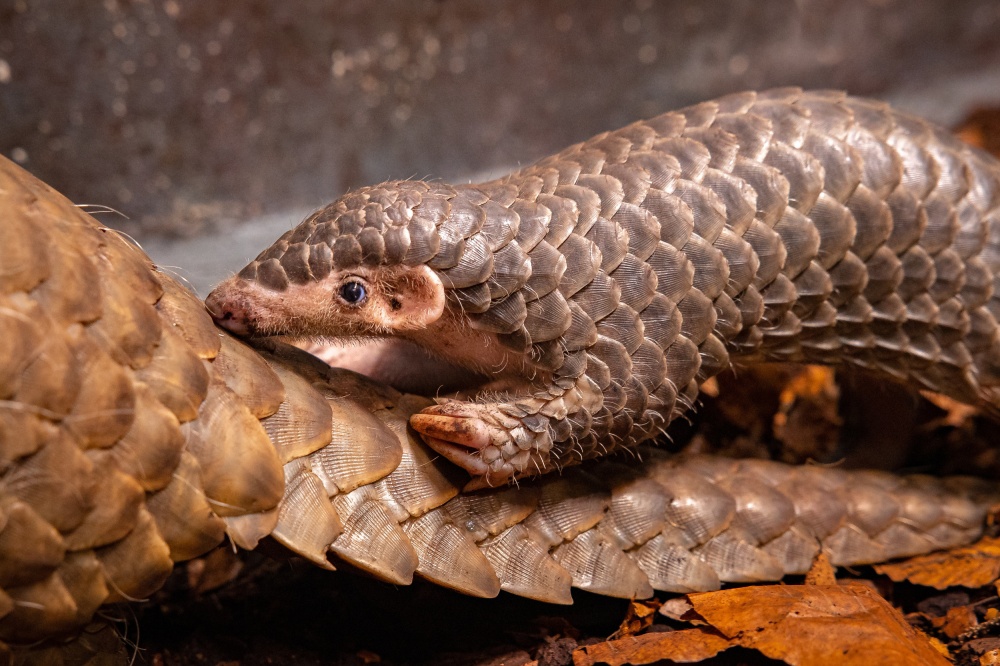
{"type": "Point", "coordinates": [353, 293]}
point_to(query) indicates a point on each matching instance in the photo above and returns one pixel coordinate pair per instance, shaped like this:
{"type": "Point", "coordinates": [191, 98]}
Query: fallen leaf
{"type": "Point", "coordinates": [750, 398]}
{"type": "Point", "coordinates": [956, 621]}
{"type": "Point", "coordinates": [814, 625]}
{"type": "Point", "coordinates": [861, 582]}
{"type": "Point", "coordinates": [639, 616]}
{"type": "Point", "coordinates": [956, 413]}
{"type": "Point", "coordinates": [990, 658]}
{"type": "Point", "coordinates": [972, 566]}
{"type": "Point", "coordinates": [940, 647]}
{"type": "Point", "coordinates": [983, 645]}
{"type": "Point", "coordinates": [675, 608]}
{"type": "Point", "coordinates": [807, 422]}
{"type": "Point", "coordinates": [982, 128]}
{"type": "Point", "coordinates": [710, 388]}
{"type": "Point", "coordinates": [821, 572]}
{"type": "Point", "coordinates": [688, 646]}
{"type": "Point", "coordinates": [978, 650]}
{"type": "Point", "coordinates": [815, 381]}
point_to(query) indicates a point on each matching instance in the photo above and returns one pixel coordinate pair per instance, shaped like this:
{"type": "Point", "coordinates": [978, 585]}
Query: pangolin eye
{"type": "Point", "coordinates": [353, 293]}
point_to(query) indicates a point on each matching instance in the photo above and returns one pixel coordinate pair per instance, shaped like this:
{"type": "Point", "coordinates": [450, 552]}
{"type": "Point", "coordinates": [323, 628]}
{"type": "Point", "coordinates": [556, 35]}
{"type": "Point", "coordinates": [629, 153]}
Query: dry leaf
{"type": "Point", "coordinates": [940, 647]}
{"type": "Point", "coordinates": [991, 658]}
{"type": "Point", "coordinates": [982, 128]}
{"type": "Point", "coordinates": [956, 621]}
{"type": "Point", "coordinates": [814, 625]}
{"type": "Point", "coordinates": [675, 608]}
{"type": "Point", "coordinates": [639, 616]}
{"type": "Point", "coordinates": [749, 399]}
{"type": "Point", "coordinates": [815, 381]}
{"type": "Point", "coordinates": [861, 582]}
{"type": "Point", "coordinates": [972, 566]}
{"type": "Point", "coordinates": [710, 388]}
{"type": "Point", "coordinates": [821, 572]}
{"type": "Point", "coordinates": [807, 421]}
{"type": "Point", "coordinates": [956, 413]}
{"type": "Point", "coordinates": [688, 646]}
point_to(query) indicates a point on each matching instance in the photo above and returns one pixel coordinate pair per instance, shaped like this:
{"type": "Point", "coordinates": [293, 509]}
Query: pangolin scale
{"type": "Point", "coordinates": [599, 287]}
{"type": "Point", "coordinates": [135, 433]}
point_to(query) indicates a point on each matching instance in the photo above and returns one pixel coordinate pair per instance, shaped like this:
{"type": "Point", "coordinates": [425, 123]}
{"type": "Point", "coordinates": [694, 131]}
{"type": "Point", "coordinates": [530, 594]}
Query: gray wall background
{"type": "Point", "coordinates": [215, 125]}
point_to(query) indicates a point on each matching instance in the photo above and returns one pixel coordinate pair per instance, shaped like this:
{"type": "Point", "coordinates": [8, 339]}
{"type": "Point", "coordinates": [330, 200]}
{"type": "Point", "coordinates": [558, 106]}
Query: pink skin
{"type": "Point", "coordinates": [399, 363]}
{"type": "Point", "coordinates": [230, 316]}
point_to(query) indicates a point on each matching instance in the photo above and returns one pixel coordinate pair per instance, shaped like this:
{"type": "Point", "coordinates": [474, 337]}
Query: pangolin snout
{"type": "Point", "coordinates": [227, 312]}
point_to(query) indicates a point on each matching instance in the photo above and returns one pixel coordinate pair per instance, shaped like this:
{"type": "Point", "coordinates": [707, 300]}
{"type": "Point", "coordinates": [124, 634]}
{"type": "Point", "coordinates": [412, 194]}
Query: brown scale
{"type": "Point", "coordinates": [784, 225]}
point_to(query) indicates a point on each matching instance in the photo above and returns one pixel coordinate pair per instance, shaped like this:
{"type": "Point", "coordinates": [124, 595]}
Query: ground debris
{"type": "Point", "coordinates": [640, 616]}
{"type": "Point", "coordinates": [838, 616]}
{"type": "Point", "coordinates": [972, 566]}
{"type": "Point", "coordinates": [687, 646]}
{"type": "Point", "coordinates": [804, 625]}
{"type": "Point", "coordinates": [801, 625]}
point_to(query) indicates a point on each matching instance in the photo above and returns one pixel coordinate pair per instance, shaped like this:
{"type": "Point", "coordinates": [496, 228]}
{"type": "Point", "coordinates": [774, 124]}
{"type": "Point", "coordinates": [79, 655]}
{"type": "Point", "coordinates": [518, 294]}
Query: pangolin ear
{"type": "Point", "coordinates": [415, 299]}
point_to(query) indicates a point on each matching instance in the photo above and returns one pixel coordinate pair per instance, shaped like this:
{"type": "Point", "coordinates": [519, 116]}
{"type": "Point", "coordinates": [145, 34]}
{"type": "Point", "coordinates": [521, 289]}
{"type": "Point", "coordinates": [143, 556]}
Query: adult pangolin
{"type": "Point", "coordinates": [597, 289]}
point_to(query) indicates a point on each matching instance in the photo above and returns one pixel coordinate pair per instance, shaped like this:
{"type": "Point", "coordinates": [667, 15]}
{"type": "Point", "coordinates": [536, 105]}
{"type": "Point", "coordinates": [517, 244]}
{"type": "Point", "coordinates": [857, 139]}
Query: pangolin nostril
{"type": "Point", "coordinates": [226, 313]}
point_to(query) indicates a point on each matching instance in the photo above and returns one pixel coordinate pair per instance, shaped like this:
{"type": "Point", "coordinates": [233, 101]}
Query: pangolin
{"type": "Point", "coordinates": [596, 289]}
{"type": "Point", "coordinates": [134, 433]}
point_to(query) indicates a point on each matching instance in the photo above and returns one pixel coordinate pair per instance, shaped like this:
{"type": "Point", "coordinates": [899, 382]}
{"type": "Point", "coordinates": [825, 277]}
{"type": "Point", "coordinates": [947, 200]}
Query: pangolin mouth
{"type": "Point", "coordinates": [229, 310]}
{"type": "Point", "coordinates": [248, 309]}
{"type": "Point", "coordinates": [228, 320]}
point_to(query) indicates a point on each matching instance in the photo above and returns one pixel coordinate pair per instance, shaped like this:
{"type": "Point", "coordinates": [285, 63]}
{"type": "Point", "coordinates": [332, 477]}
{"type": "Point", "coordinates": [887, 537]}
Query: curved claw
{"type": "Point", "coordinates": [459, 455]}
{"type": "Point", "coordinates": [482, 475]}
{"type": "Point", "coordinates": [470, 436]}
{"type": "Point", "coordinates": [467, 431]}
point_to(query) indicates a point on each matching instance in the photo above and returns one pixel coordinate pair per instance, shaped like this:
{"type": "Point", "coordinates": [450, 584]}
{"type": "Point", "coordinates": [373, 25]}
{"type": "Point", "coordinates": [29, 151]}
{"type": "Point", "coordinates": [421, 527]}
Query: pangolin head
{"type": "Point", "coordinates": [358, 267]}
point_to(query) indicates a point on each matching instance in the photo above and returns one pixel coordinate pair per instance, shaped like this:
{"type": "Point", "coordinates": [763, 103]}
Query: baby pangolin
{"type": "Point", "coordinates": [599, 287]}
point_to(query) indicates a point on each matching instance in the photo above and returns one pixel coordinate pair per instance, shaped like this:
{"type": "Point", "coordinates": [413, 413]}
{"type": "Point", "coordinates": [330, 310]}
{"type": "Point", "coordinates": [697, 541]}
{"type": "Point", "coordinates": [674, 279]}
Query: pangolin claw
{"type": "Point", "coordinates": [467, 431]}
{"type": "Point", "coordinates": [477, 438]}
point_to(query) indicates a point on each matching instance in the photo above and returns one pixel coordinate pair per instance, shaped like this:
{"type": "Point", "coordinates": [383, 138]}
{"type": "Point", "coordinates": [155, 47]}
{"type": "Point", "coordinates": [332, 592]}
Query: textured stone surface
{"type": "Point", "coordinates": [180, 114]}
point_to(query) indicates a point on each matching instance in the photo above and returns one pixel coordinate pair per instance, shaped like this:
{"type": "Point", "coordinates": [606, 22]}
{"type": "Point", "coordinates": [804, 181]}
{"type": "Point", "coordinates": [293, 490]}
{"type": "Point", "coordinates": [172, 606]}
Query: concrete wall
{"type": "Point", "coordinates": [192, 117]}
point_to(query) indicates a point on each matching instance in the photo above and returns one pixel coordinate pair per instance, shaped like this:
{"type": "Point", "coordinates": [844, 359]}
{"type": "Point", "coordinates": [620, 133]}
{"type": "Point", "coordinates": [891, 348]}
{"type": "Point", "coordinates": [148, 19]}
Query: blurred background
{"type": "Point", "coordinates": [212, 127]}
